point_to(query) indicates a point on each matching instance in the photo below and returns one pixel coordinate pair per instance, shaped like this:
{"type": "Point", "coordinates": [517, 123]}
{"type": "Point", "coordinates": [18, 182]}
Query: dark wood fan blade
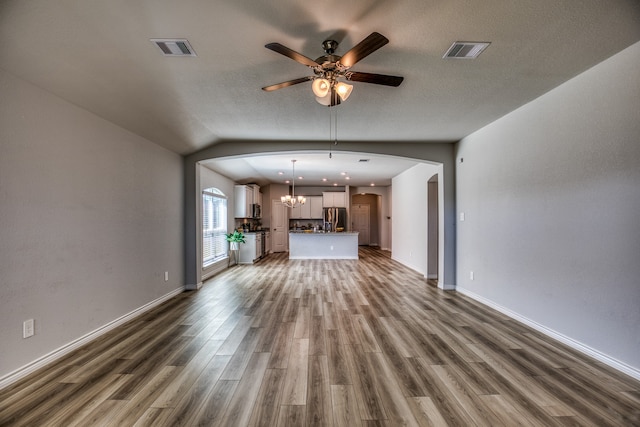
{"type": "Point", "coordinates": [298, 57]}
{"type": "Point", "coordinates": [287, 83]}
{"type": "Point", "coordinates": [373, 42]}
{"type": "Point", "coordinates": [378, 79]}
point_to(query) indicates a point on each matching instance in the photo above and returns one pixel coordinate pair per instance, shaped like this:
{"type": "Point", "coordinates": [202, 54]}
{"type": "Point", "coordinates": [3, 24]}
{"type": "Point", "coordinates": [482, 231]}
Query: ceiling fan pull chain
{"type": "Point", "coordinates": [330, 133]}
{"type": "Point", "coordinates": [335, 141]}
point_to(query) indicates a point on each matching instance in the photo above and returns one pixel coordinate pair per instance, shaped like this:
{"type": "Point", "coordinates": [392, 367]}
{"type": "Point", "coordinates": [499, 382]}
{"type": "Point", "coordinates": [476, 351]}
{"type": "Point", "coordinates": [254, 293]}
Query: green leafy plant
{"type": "Point", "coordinates": [235, 237]}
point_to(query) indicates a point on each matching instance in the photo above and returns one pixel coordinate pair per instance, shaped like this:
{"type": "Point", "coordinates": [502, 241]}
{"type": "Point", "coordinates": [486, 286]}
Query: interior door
{"type": "Point", "coordinates": [360, 215]}
{"type": "Point", "coordinates": [279, 227]}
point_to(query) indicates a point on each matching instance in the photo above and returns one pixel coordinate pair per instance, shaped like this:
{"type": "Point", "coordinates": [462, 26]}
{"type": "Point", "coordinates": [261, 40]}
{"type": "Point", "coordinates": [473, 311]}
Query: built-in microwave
{"type": "Point", "coordinates": [255, 211]}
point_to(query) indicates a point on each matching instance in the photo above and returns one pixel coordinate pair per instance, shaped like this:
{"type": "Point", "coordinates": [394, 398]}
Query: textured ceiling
{"type": "Point", "coordinates": [97, 55]}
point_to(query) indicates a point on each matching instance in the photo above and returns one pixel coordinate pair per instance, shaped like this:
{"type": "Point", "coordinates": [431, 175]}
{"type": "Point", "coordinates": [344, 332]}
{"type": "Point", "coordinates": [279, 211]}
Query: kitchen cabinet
{"type": "Point", "coordinates": [305, 210]}
{"type": "Point", "coordinates": [315, 206]}
{"type": "Point", "coordinates": [312, 209]}
{"type": "Point", "coordinates": [335, 199]}
{"type": "Point", "coordinates": [257, 195]}
{"type": "Point", "coordinates": [295, 213]}
{"type": "Point", "coordinates": [243, 199]}
{"type": "Point", "coordinates": [251, 250]}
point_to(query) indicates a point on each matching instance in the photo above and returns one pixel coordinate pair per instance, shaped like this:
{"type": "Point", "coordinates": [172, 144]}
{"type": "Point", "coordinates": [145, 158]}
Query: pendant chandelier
{"type": "Point", "coordinates": [291, 201]}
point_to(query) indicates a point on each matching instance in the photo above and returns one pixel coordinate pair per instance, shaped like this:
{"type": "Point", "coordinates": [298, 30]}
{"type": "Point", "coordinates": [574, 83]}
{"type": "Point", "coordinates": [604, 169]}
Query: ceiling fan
{"type": "Point", "coordinates": [329, 70]}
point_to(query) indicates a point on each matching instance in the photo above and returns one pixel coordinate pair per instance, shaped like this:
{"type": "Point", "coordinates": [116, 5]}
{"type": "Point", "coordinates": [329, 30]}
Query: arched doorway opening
{"type": "Point", "coordinates": [400, 217]}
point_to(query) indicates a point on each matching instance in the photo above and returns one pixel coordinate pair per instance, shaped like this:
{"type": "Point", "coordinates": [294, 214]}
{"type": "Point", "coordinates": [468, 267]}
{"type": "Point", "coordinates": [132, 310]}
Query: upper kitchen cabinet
{"type": "Point", "coordinates": [312, 209]}
{"type": "Point", "coordinates": [335, 199]}
{"type": "Point", "coordinates": [257, 195]}
{"type": "Point", "coordinates": [243, 195]}
{"type": "Point", "coordinates": [299, 212]}
{"type": "Point", "coordinates": [315, 207]}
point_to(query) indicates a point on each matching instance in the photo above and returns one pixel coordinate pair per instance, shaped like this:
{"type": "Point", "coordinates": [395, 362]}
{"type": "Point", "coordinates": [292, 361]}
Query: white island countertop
{"type": "Point", "coordinates": [319, 245]}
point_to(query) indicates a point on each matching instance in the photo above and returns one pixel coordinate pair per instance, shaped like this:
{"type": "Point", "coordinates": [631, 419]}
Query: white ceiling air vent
{"type": "Point", "coordinates": [174, 47]}
{"type": "Point", "coordinates": [466, 50]}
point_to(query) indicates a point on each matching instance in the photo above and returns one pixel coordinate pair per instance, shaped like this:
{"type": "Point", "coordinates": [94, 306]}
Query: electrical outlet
{"type": "Point", "coordinates": [28, 328]}
{"type": "Point", "coordinates": [166, 276]}
{"type": "Point", "coordinates": [461, 216]}
{"type": "Point", "coordinates": [471, 275]}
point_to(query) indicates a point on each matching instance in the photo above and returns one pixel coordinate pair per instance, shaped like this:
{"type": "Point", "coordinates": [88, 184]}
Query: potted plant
{"type": "Point", "coordinates": [235, 239]}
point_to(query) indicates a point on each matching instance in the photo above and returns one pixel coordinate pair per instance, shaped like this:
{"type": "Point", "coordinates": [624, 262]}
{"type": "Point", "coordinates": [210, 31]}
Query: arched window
{"type": "Point", "coordinates": [214, 226]}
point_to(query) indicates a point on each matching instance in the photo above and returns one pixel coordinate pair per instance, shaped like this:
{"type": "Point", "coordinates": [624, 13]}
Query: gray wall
{"type": "Point", "coordinates": [551, 196]}
{"type": "Point", "coordinates": [90, 219]}
{"type": "Point", "coordinates": [410, 220]}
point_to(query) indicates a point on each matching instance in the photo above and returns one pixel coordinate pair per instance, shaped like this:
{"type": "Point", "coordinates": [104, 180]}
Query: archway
{"type": "Point", "coordinates": [431, 153]}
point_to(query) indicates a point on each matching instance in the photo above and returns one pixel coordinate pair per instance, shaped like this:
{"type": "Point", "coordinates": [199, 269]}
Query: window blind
{"type": "Point", "coordinates": [214, 226]}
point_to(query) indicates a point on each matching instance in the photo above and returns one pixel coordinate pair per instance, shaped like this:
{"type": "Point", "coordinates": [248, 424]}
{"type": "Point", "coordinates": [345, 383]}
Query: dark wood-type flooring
{"type": "Point", "coordinates": [333, 343]}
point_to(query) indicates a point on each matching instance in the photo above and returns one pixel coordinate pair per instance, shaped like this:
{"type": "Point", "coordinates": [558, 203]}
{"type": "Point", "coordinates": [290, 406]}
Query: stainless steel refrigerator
{"type": "Point", "coordinates": [335, 219]}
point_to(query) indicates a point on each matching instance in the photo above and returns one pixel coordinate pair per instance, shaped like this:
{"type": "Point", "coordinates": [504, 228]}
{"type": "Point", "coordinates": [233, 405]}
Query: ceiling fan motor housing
{"type": "Point", "coordinates": [329, 46]}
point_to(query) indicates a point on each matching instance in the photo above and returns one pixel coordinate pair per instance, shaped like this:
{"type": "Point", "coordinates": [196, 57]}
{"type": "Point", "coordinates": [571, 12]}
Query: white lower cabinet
{"type": "Point", "coordinates": [247, 253]}
{"type": "Point", "coordinates": [252, 250]}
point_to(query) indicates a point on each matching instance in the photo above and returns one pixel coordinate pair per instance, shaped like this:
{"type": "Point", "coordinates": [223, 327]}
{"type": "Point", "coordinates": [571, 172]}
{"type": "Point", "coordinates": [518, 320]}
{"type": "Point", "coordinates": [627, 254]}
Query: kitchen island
{"type": "Point", "coordinates": [319, 245]}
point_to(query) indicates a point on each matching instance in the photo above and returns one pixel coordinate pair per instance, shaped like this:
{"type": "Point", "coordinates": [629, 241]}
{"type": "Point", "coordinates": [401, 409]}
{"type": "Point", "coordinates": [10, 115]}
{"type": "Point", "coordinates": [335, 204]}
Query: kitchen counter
{"type": "Point", "coordinates": [321, 245]}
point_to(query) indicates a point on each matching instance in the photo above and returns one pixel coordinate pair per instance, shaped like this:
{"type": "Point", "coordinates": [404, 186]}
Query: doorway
{"type": "Point", "coordinates": [368, 224]}
{"type": "Point", "coordinates": [361, 223]}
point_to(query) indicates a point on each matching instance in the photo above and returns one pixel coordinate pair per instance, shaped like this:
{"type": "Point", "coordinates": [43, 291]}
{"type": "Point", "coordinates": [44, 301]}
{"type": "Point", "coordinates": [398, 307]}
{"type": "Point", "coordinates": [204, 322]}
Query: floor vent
{"type": "Point", "coordinates": [174, 47]}
{"type": "Point", "coordinates": [466, 50]}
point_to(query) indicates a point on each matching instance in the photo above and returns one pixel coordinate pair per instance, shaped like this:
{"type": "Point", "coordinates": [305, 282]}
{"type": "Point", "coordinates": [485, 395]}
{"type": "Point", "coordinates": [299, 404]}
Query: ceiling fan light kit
{"type": "Point", "coordinates": [321, 87]}
{"type": "Point", "coordinates": [326, 87]}
{"type": "Point", "coordinates": [344, 90]}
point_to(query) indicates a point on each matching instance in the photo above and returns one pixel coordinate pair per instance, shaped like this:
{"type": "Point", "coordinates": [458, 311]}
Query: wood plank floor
{"type": "Point", "coordinates": [323, 343]}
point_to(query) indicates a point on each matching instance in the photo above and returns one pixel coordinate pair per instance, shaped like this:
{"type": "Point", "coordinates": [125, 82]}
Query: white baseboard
{"type": "Point", "coordinates": [51, 357]}
{"type": "Point", "coordinates": [194, 287]}
{"type": "Point", "coordinates": [406, 264]}
{"type": "Point", "coordinates": [591, 352]}
{"type": "Point", "coordinates": [446, 286]}
{"type": "Point", "coordinates": [209, 272]}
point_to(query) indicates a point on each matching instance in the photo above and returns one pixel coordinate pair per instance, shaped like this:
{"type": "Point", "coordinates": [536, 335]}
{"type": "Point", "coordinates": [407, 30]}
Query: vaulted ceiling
{"type": "Point", "coordinates": [98, 55]}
